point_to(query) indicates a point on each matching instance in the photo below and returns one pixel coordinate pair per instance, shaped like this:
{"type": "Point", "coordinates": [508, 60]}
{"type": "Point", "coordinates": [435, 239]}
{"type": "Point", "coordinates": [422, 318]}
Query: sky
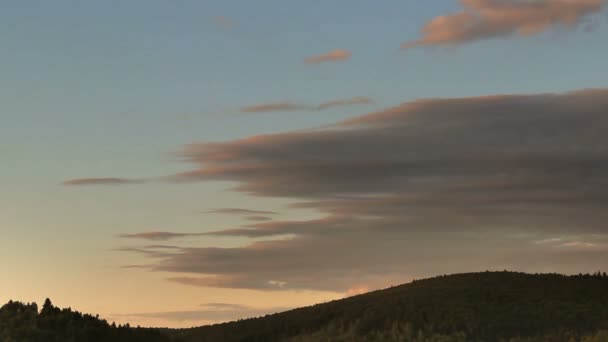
{"type": "Point", "coordinates": [178, 163]}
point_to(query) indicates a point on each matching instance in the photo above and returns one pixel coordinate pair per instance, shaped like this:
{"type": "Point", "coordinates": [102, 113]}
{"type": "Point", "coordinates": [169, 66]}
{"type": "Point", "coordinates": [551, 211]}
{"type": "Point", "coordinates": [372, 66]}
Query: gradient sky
{"type": "Point", "coordinates": [131, 131]}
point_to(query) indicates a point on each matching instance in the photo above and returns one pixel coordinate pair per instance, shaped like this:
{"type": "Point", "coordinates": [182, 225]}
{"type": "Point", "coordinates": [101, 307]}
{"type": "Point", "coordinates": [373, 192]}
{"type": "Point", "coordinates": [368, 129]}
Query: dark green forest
{"type": "Point", "coordinates": [486, 306]}
{"type": "Point", "coordinates": [23, 322]}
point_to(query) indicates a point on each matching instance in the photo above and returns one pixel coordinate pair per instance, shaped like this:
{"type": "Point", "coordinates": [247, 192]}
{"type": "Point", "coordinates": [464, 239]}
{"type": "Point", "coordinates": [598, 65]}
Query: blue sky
{"type": "Point", "coordinates": [116, 88]}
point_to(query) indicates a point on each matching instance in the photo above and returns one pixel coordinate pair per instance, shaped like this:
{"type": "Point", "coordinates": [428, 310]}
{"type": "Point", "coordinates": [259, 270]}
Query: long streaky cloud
{"type": "Point", "coordinates": [274, 107]}
{"type": "Point", "coordinates": [258, 218]}
{"type": "Point", "coordinates": [100, 181]}
{"type": "Point", "coordinates": [161, 247]}
{"type": "Point", "coordinates": [158, 236]}
{"type": "Point", "coordinates": [240, 211]}
{"type": "Point", "coordinates": [487, 19]}
{"type": "Point", "coordinates": [336, 55]}
{"type": "Point", "coordinates": [212, 313]}
{"type": "Point", "coordinates": [359, 100]}
{"type": "Point", "coordinates": [287, 106]}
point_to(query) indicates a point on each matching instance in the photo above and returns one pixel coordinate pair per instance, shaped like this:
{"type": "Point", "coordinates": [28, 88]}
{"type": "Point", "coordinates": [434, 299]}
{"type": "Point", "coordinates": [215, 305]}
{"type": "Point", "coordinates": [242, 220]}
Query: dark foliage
{"type": "Point", "coordinates": [488, 306]}
{"type": "Point", "coordinates": [20, 322]}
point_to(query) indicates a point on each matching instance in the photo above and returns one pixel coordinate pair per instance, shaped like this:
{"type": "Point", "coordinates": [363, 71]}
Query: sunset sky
{"type": "Point", "coordinates": [178, 163]}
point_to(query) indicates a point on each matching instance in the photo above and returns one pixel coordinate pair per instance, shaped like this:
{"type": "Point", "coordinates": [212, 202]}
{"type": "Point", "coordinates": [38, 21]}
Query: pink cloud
{"type": "Point", "coordinates": [223, 22]}
{"type": "Point", "coordinates": [332, 56]}
{"type": "Point", "coordinates": [486, 19]}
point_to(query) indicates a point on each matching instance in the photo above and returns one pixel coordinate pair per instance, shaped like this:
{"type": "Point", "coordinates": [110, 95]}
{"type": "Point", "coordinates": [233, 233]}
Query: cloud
{"type": "Point", "coordinates": [575, 242]}
{"type": "Point", "coordinates": [228, 281]}
{"type": "Point", "coordinates": [579, 244]}
{"type": "Point", "coordinates": [100, 181]}
{"type": "Point", "coordinates": [277, 283]}
{"type": "Point", "coordinates": [145, 251]}
{"type": "Point", "coordinates": [225, 306]}
{"type": "Point", "coordinates": [208, 313]}
{"type": "Point", "coordinates": [292, 107]}
{"type": "Point", "coordinates": [359, 100]}
{"type": "Point", "coordinates": [223, 22]}
{"type": "Point", "coordinates": [549, 240]}
{"type": "Point", "coordinates": [332, 56]}
{"type": "Point", "coordinates": [358, 290]}
{"type": "Point", "coordinates": [161, 247]}
{"type": "Point", "coordinates": [240, 211]}
{"type": "Point", "coordinates": [488, 19]}
{"type": "Point", "coordinates": [478, 181]}
{"type": "Point", "coordinates": [274, 107]}
{"type": "Point", "coordinates": [158, 236]}
{"type": "Point", "coordinates": [258, 218]}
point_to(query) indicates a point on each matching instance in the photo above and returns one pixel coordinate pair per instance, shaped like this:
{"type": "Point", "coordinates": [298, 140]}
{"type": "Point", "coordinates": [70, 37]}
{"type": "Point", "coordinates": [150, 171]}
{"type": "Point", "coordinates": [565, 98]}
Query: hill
{"type": "Point", "coordinates": [488, 306]}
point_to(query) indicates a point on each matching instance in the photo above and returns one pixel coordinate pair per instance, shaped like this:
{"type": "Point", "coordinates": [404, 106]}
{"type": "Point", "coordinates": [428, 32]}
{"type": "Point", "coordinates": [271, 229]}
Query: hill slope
{"type": "Point", "coordinates": [488, 306]}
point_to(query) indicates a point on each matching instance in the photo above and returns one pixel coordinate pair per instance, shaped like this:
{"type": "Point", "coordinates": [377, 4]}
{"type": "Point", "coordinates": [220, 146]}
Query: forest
{"type": "Point", "coordinates": [485, 306]}
{"type": "Point", "coordinates": [23, 322]}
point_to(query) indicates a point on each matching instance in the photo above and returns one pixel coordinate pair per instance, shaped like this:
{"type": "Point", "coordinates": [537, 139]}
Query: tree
{"type": "Point", "coordinates": [47, 307]}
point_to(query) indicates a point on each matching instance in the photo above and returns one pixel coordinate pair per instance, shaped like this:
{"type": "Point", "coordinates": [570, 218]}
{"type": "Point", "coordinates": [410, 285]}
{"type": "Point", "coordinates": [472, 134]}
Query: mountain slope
{"type": "Point", "coordinates": [488, 306]}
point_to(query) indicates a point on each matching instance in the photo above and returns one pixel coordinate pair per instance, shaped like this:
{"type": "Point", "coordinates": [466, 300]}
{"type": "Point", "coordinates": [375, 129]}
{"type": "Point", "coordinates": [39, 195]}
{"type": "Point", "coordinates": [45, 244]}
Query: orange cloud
{"type": "Point", "coordinates": [486, 19]}
{"type": "Point", "coordinates": [354, 291]}
{"type": "Point", "coordinates": [332, 56]}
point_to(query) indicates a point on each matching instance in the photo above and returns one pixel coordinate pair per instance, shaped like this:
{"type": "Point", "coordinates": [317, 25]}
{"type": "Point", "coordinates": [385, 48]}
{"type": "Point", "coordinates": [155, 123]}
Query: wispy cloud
{"type": "Point", "coordinates": [274, 107]}
{"type": "Point", "coordinates": [258, 218]}
{"type": "Point", "coordinates": [100, 181]}
{"type": "Point", "coordinates": [359, 100]}
{"type": "Point", "coordinates": [487, 19]}
{"type": "Point", "coordinates": [240, 211]}
{"type": "Point", "coordinates": [292, 107]}
{"type": "Point", "coordinates": [579, 244]}
{"type": "Point", "coordinates": [211, 312]}
{"type": "Point", "coordinates": [549, 240]}
{"type": "Point", "coordinates": [161, 247]}
{"type": "Point", "coordinates": [225, 306]}
{"type": "Point", "coordinates": [161, 236]}
{"type": "Point", "coordinates": [332, 56]}
{"type": "Point", "coordinates": [358, 290]}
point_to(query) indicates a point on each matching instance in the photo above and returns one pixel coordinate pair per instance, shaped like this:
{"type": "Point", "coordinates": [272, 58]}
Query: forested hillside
{"type": "Point", "coordinates": [488, 306]}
